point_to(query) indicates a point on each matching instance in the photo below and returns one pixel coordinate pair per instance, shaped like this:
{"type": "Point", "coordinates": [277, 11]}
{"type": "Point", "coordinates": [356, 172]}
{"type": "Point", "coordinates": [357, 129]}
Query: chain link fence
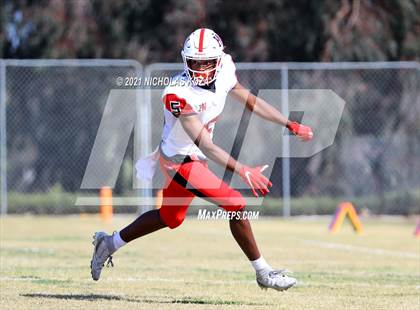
{"type": "Point", "coordinates": [374, 160]}
{"type": "Point", "coordinates": [375, 156]}
{"type": "Point", "coordinates": [52, 111]}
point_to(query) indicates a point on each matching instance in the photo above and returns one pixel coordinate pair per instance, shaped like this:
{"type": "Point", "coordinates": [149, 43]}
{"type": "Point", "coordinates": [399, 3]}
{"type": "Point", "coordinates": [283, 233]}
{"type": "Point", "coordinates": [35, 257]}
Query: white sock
{"type": "Point", "coordinates": [118, 242]}
{"type": "Point", "coordinates": [260, 264]}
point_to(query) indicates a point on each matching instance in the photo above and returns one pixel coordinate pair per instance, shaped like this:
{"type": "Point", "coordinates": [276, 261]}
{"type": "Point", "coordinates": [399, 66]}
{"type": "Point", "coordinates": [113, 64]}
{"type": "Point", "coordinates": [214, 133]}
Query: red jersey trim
{"type": "Point", "coordinates": [177, 106]}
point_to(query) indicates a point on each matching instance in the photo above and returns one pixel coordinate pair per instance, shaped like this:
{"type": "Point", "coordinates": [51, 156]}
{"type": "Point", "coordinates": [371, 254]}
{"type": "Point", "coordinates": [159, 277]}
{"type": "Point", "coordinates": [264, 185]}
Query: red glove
{"type": "Point", "coordinates": [255, 179]}
{"type": "Point", "coordinates": [303, 132]}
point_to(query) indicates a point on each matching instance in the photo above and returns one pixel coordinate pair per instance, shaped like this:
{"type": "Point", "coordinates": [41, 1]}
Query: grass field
{"type": "Point", "coordinates": [45, 265]}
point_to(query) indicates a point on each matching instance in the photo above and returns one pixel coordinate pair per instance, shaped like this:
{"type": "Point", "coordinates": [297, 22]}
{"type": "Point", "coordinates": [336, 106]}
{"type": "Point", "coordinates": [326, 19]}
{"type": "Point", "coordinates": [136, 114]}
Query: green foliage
{"type": "Point", "coordinates": [261, 30]}
{"type": "Point", "coordinates": [54, 202]}
{"type": "Point", "coordinates": [403, 203]}
{"type": "Point", "coordinates": [57, 201]}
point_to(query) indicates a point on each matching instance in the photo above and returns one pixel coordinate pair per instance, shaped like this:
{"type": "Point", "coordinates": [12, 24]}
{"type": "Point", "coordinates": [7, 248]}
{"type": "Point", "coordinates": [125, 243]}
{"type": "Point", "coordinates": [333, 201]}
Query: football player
{"type": "Point", "coordinates": [192, 103]}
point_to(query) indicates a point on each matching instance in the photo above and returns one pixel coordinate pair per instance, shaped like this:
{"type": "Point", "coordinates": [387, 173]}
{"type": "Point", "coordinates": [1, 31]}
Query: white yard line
{"type": "Point", "coordinates": [353, 248]}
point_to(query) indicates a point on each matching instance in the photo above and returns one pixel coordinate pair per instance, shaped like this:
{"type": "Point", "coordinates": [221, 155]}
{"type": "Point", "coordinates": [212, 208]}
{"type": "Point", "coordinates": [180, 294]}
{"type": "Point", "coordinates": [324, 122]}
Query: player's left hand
{"type": "Point", "coordinates": [255, 179]}
{"type": "Point", "coordinates": [305, 133]}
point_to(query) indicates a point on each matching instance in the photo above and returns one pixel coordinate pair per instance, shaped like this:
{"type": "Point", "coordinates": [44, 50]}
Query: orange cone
{"type": "Point", "coordinates": [106, 210]}
{"type": "Point", "coordinates": [345, 209]}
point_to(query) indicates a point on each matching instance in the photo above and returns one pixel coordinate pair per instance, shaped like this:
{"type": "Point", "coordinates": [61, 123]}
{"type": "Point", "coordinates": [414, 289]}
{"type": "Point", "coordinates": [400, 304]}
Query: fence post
{"type": "Point", "coordinates": [3, 141]}
{"type": "Point", "coordinates": [285, 142]}
{"type": "Point", "coordinates": [144, 115]}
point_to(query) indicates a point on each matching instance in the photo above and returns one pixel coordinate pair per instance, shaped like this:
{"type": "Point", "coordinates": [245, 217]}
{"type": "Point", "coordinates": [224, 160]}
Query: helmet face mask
{"type": "Point", "coordinates": [202, 54]}
{"type": "Point", "coordinates": [202, 71]}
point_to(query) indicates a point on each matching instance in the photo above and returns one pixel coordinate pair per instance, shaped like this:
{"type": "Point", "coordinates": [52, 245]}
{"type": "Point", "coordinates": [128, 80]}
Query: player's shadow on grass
{"type": "Point", "coordinates": [158, 300]}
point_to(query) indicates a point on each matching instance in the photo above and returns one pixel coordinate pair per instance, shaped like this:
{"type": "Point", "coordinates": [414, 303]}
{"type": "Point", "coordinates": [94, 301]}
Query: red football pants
{"type": "Point", "coordinates": [184, 181]}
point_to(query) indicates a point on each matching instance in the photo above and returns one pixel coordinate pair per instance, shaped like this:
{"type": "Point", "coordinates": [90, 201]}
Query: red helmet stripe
{"type": "Point", "coordinates": [200, 44]}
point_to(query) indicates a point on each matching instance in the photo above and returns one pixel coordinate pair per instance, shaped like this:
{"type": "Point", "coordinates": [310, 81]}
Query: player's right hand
{"type": "Point", "coordinates": [255, 179]}
{"type": "Point", "coordinates": [305, 133]}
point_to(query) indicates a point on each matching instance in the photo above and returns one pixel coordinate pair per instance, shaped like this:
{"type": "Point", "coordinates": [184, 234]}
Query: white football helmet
{"type": "Point", "coordinates": [202, 54]}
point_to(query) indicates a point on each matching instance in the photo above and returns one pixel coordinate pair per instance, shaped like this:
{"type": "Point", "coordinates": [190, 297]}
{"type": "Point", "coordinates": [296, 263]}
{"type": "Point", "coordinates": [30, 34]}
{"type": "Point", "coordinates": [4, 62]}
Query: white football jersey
{"type": "Point", "coordinates": [181, 97]}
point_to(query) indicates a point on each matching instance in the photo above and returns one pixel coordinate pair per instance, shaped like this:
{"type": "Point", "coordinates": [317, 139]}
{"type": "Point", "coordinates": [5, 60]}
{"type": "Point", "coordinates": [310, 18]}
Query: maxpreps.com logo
{"type": "Point", "coordinates": [219, 214]}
